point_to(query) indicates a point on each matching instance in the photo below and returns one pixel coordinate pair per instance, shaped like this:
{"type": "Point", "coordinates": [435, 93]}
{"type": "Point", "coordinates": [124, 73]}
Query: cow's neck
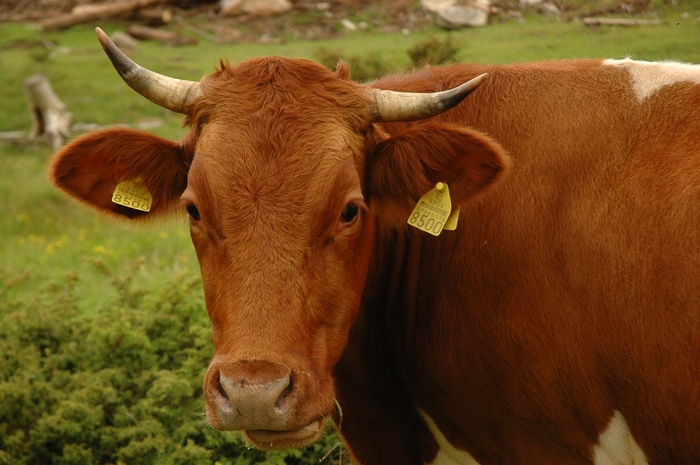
{"type": "Point", "coordinates": [373, 376]}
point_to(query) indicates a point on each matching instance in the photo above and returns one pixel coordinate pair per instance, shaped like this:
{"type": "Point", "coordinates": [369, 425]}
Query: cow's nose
{"type": "Point", "coordinates": [250, 395]}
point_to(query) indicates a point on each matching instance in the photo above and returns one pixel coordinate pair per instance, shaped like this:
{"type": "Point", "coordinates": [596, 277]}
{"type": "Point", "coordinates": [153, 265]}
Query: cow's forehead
{"type": "Point", "coordinates": [275, 151]}
{"type": "Point", "coordinates": [263, 180]}
{"type": "Point", "coordinates": [283, 84]}
{"type": "Point", "coordinates": [279, 116]}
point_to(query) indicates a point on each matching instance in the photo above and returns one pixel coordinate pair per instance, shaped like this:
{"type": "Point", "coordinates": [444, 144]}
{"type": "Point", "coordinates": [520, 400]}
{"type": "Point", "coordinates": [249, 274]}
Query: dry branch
{"type": "Point", "coordinates": [86, 13]}
{"type": "Point", "coordinates": [620, 22]}
{"type": "Point", "coordinates": [149, 33]}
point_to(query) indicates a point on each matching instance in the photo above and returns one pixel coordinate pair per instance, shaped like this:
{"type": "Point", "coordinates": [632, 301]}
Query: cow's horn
{"type": "Point", "coordinates": [167, 92]}
{"type": "Point", "coordinates": [408, 106]}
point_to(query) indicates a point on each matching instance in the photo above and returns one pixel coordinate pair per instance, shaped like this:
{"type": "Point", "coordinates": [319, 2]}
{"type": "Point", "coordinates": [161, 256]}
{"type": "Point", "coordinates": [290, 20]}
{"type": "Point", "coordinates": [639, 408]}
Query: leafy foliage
{"type": "Point", "coordinates": [120, 386]}
{"type": "Point", "coordinates": [434, 51]}
{"type": "Point", "coordinates": [364, 67]}
{"type": "Point", "coordinates": [369, 66]}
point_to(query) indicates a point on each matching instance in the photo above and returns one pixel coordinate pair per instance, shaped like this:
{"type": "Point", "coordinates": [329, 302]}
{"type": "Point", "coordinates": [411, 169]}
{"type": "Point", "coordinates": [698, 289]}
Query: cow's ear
{"type": "Point", "coordinates": [90, 167]}
{"type": "Point", "coordinates": [407, 165]}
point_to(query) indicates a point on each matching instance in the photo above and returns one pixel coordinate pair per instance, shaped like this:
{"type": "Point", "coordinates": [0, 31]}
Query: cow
{"type": "Point", "coordinates": [558, 322]}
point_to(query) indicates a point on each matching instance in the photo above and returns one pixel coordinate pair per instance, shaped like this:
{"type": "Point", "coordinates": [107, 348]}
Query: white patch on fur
{"type": "Point", "coordinates": [616, 446]}
{"type": "Point", "coordinates": [648, 77]}
{"type": "Point", "coordinates": [448, 454]}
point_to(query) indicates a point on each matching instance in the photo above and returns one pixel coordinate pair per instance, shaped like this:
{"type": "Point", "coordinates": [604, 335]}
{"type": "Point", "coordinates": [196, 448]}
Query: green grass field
{"type": "Point", "coordinates": [55, 254]}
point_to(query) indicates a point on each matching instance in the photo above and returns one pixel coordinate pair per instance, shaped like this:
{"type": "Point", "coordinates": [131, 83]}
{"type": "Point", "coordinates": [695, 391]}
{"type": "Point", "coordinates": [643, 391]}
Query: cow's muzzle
{"type": "Point", "coordinates": [259, 398]}
{"type": "Point", "coordinates": [273, 440]}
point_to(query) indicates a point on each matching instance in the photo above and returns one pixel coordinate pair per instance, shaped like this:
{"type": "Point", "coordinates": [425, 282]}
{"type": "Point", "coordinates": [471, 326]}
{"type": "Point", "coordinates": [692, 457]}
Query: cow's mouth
{"type": "Point", "coordinates": [273, 440]}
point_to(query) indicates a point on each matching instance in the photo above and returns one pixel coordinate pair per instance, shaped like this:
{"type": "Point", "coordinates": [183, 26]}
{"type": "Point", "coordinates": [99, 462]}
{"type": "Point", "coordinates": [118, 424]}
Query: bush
{"type": "Point", "coordinates": [364, 68]}
{"type": "Point", "coordinates": [120, 386]}
{"type": "Point", "coordinates": [434, 51]}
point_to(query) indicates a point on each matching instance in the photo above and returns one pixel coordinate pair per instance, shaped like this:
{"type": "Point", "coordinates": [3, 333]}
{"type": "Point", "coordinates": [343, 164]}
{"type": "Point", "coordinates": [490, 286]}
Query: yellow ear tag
{"type": "Point", "coordinates": [433, 211]}
{"type": "Point", "coordinates": [133, 194]}
{"type": "Point", "coordinates": [451, 223]}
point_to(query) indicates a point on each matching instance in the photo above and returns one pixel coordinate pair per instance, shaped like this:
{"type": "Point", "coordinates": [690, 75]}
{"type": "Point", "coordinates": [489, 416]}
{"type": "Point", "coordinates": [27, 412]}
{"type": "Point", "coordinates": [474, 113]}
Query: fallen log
{"type": "Point", "coordinates": [18, 136]}
{"type": "Point", "coordinates": [620, 22]}
{"type": "Point", "coordinates": [87, 13]}
{"type": "Point", "coordinates": [21, 137]}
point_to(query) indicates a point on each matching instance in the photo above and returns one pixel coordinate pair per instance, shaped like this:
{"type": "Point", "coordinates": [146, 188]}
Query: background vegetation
{"type": "Point", "coordinates": [104, 338]}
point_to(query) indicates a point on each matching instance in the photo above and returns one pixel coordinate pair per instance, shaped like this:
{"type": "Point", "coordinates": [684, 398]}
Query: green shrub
{"type": "Point", "coordinates": [433, 51]}
{"type": "Point", "coordinates": [121, 385]}
{"type": "Point", "coordinates": [364, 68]}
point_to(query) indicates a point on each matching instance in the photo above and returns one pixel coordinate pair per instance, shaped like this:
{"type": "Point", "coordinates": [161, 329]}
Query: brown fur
{"type": "Point", "coordinates": [568, 291]}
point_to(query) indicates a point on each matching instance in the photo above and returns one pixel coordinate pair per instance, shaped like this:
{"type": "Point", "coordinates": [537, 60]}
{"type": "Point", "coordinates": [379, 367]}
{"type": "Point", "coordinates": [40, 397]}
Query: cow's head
{"type": "Point", "coordinates": [282, 173]}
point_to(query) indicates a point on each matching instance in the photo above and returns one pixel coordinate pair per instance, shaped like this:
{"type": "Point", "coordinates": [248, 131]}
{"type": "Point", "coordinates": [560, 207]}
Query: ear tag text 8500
{"type": "Point", "coordinates": [433, 213]}
{"type": "Point", "coordinates": [133, 194]}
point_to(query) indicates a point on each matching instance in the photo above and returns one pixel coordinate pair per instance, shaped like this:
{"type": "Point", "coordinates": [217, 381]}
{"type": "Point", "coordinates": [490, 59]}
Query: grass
{"type": "Point", "coordinates": [50, 242]}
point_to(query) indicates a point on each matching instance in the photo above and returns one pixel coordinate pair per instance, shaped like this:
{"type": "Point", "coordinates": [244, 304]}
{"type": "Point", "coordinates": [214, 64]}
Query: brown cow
{"type": "Point", "coordinates": [558, 324]}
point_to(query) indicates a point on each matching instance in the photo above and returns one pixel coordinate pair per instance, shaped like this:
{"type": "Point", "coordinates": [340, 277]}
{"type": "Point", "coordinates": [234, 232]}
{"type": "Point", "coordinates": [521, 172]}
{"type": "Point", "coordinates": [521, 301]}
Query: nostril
{"type": "Point", "coordinates": [285, 393]}
{"type": "Point", "coordinates": [221, 389]}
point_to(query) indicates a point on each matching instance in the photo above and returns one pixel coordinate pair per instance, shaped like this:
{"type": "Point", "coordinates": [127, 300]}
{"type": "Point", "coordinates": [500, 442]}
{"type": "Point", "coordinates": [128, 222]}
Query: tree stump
{"type": "Point", "coordinates": [50, 118]}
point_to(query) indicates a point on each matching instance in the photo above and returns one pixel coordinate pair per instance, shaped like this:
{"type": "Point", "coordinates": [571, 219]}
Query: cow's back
{"type": "Point", "coordinates": [566, 302]}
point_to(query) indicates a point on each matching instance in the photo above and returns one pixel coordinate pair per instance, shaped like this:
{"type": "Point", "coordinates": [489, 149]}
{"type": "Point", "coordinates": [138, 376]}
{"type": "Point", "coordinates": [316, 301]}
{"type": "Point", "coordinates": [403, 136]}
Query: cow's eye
{"type": "Point", "coordinates": [349, 213]}
{"type": "Point", "coordinates": [193, 212]}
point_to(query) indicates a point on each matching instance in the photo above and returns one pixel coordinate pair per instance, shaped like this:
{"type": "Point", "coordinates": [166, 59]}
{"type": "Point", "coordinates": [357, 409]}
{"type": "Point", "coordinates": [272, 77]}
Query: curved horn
{"type": "Point", "coordinates": [409, 106]}
{"type": "Point", "coordinates": [164, 91]}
